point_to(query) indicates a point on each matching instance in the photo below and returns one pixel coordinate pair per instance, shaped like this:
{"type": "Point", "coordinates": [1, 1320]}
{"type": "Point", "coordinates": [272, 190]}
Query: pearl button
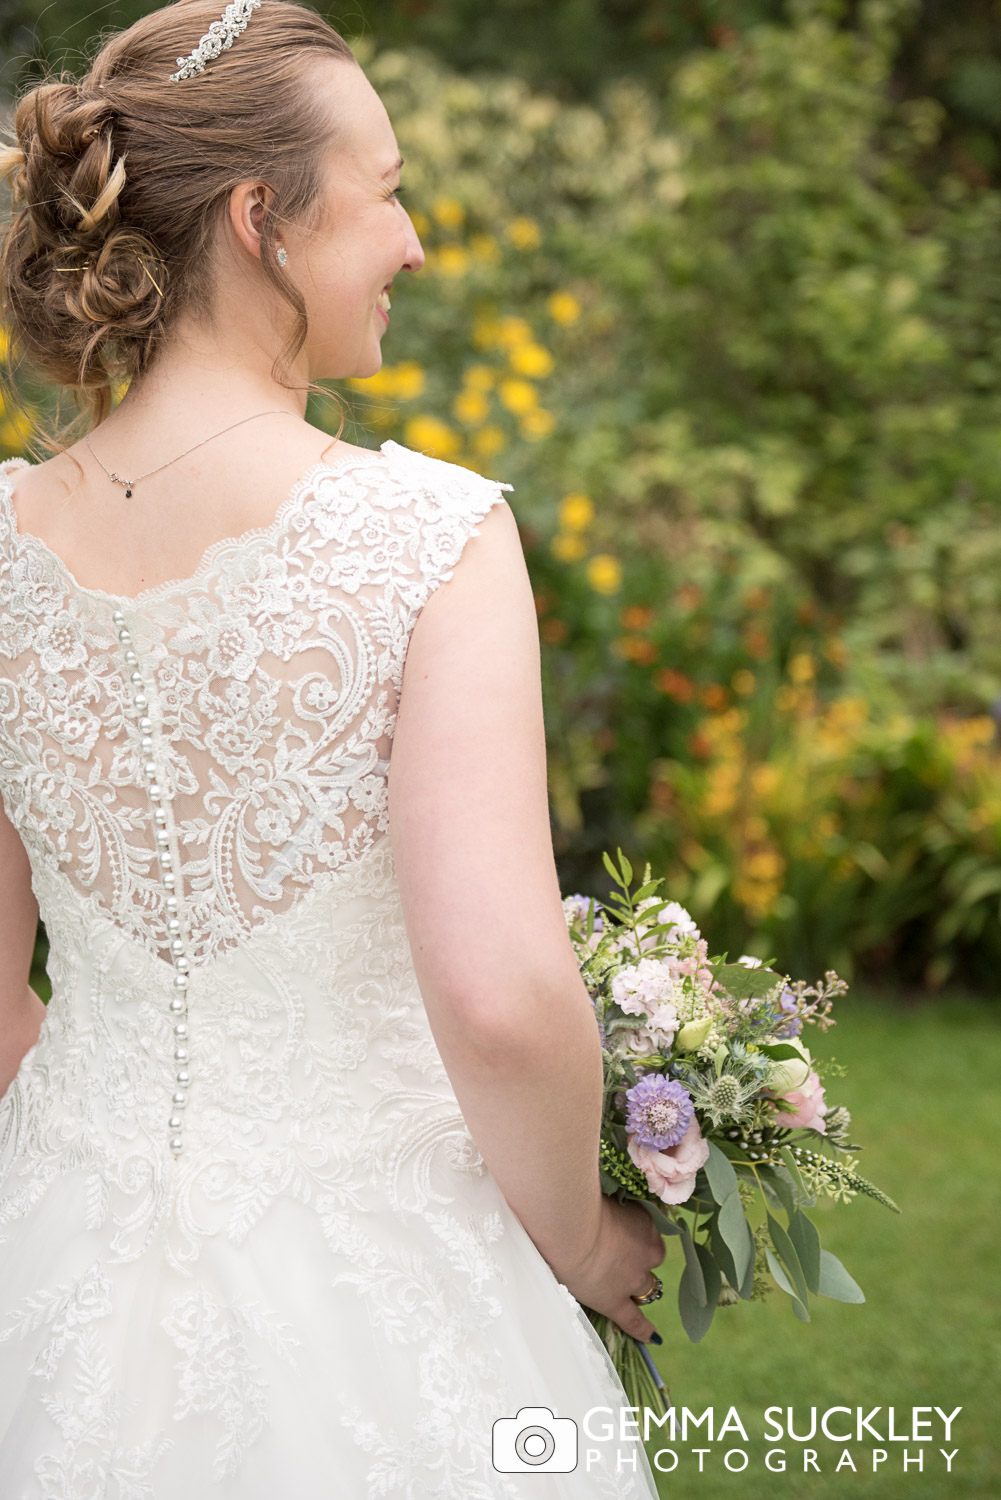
{"type": "Point", "coordinates": [168, 880]}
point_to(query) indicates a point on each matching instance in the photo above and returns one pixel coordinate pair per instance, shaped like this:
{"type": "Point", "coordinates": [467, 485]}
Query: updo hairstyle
{"type": "Point", "coordinates": [120, 181]}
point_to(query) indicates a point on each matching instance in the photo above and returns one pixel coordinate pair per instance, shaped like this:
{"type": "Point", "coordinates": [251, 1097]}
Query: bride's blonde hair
{"type": "Point", "coordinates": [120, 179]}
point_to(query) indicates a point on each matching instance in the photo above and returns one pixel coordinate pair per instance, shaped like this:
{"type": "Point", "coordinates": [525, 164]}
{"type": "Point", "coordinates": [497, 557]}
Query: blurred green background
{"type": "Point", "coordinates": [717, 285]}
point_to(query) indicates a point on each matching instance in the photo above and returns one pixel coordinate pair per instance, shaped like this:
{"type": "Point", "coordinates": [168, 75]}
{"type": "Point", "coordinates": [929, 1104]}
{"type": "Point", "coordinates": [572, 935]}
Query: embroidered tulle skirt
{"type": "Point", "coordinates": [324, 1294]}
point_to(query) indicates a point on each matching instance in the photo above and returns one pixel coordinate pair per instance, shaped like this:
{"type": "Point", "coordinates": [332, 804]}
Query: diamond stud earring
{"type": "Point", "coordinates": [281, 255]}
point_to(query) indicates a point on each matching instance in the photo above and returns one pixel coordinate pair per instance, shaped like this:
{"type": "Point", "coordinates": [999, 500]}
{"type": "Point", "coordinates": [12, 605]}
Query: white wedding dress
{"type": "Point", "coordinates": [248, 1248]}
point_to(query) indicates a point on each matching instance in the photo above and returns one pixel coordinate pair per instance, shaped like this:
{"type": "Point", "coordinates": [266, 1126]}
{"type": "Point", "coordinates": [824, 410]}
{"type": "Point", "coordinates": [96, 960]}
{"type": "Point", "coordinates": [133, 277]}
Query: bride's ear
{"type": "Point", "coordinates": [247, 205]}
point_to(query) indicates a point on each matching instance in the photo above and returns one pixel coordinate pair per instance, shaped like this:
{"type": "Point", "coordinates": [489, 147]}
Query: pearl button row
{"type": "Point", "coordinates": [168, 879]}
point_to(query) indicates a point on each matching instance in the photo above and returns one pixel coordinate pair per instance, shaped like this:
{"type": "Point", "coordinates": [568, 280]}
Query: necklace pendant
{"type": "Point", "coordinates": [128, 494]}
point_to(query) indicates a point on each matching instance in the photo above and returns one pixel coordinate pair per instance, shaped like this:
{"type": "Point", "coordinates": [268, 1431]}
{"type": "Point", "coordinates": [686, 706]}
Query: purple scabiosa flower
{"type": "Point", "coordinates": [659, 1110]}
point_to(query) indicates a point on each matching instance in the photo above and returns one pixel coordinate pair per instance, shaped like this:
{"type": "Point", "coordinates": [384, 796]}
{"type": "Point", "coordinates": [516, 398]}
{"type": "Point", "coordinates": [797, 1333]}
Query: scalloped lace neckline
{"type": "Point", "coordinates": [302, 487]}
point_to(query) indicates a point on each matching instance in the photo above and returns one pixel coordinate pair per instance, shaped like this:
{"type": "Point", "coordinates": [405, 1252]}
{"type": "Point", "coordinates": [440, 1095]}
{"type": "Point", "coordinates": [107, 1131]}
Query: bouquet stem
{"type": "Point", "coordinates": [641, 1380]}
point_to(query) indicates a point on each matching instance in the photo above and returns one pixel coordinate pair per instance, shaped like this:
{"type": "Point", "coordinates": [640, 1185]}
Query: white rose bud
{"type": "Point", "coordinates": [790, 1072]}
{"type": "Point", "coordinates": [692, 1035]}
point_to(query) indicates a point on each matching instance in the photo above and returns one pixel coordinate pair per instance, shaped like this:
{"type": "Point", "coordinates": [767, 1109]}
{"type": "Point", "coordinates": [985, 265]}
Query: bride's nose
{"type": "Point", "coordinates": [415, 250]}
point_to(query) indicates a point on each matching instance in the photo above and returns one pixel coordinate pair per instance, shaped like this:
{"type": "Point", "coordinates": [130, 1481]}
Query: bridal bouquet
{"type": "Point", "coordinates": [713, 1107]}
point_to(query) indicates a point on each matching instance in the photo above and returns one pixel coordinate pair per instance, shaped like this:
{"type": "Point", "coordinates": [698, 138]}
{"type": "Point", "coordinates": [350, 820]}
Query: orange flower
{"type": "Point", "coordinates": [637, 617]}
{"type": "Point", "coordinates": [675, 684]}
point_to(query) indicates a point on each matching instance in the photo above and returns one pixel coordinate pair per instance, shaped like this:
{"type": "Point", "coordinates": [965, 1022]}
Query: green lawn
{"type": "Point", "coordinates": [922, 1088]}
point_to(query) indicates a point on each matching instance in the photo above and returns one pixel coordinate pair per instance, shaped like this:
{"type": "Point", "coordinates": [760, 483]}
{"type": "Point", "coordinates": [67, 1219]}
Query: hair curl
{"type": "Point", "coordinates": [120, 181]}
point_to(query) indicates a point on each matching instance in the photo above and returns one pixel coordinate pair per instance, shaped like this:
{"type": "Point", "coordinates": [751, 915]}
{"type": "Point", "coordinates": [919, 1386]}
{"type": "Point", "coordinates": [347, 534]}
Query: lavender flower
{"type": "Point", "coordinates": [576, 908]}
{"type": "Point", "coordinates": [659, 1111]}
{"type": "Point", "coordinates": [787, 1005]}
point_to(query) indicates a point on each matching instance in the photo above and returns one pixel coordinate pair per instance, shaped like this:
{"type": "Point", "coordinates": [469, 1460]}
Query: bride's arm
{"type": "Point", "coordinates": [21, 1011]}
{"type": "Point", "coordinates": [472, 845]}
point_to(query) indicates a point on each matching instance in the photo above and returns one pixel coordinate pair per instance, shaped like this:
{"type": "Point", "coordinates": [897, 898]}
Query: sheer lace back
{"type": "Point", "coordinates": [258, 695]}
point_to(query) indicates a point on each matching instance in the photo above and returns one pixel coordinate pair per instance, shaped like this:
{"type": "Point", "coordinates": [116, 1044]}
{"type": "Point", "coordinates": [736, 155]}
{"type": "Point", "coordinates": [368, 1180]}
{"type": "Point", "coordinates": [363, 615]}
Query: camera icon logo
{"type": "Point", "coordinates": [535, 1442]}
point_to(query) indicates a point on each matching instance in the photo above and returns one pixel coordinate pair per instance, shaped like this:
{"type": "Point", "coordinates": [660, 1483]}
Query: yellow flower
{"type": "Point", "coordinates": [563, 308]}
{"type": "Point", "coordinates": [488, 441]}
{"type": "Point", "coordinates": [409, 380]}
{"type": "Point", "coordinates": [576, 511]}
{"type": "Point", "coordinates": [537, 424]}
{"type": "Point", "coordinates": [531, 359]}
{"type": "Point", "coordinates": [484, 247]}
{"type": "Point", "coordinates": [524, 234]}
{"type": "Point", "coordinates": [427, 432]}
{"type": "Point", "coordinates": [480, 378]}
{"type": "Point", "coordinates": [404, 381]}
{"type": "Point", "coordinates": [802, 668]}
{"type": "Point", "coordinates": [16, 429]}
{"type": "Point", "coordinates": [514, 331]}
{"type": "Point", "coordinates": [449, 213]}
{"type": "Point", "coordinates": [518, 396]}
{"type": "Point", "coordinates": [421, 223]}
{"type": "Point", "coordinates": [567, 548]}
{"type": "Point", "coordinates": [471, 408]}
{"type": "Point", "coordinates": [742, 682]}
{"type": "Point", "coordinates": [604, 573]}
{"type": "Point", "coordinates": [451, 259]}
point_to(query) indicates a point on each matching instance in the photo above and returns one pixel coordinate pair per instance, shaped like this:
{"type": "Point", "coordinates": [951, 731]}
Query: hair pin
{"type": "Point", "coordinates": [220, 35]}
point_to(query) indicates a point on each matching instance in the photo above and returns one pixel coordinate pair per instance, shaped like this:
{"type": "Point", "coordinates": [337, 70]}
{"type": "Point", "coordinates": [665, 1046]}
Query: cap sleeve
{"type": "Point", "coordinates": [444, 507]}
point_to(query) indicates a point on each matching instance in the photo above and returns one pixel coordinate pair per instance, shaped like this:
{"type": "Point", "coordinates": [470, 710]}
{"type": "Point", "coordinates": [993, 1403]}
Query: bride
{"type": "Point", "coordinates": [298, 1168]}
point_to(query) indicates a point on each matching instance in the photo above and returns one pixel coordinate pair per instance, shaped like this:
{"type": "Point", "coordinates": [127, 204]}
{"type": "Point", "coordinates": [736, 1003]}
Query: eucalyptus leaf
{"type": "Point", "coordinates": [778, 1181]}
{"type": "Point", "coordinates": [835, 1281]}
{"type": "Point", "coordinates": [721, 1250]}
{"type": "Point", "coordinates": [806, 1198]}
{"type": "Point", "coordinates": [786, 1251]}
{"type": "Point", "coordinates": [721, 1177]}
{"type": "Point", "coordinates": [660, 1218]}
{"type": "Point", "coordinates": [803, 1233]}
{"type": "Point", "coordinates": [693, 1267]}
{"type": "Point", "coordinates": [736, 1232]}
{"type": "Point", "coordinates": [776, 1268]}
{"type": "Point", "coordinates": [696, 1316]}
{"type": "Point", "coordinates": [747, 984]}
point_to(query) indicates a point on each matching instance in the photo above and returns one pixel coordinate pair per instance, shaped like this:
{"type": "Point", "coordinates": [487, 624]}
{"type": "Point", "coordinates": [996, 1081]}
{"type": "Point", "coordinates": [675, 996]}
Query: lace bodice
{"type": "Point", "coordinates": [269, 680]}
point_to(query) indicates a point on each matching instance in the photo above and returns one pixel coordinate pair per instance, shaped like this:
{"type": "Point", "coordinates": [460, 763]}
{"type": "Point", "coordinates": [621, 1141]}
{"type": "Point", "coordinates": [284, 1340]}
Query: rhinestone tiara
{"type": "Point", "coordinates": [220, 35]}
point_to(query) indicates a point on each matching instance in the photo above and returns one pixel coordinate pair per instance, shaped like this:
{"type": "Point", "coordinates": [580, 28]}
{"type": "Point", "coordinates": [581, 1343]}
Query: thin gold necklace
{"type": "Point", "coordinates": [130, 484]}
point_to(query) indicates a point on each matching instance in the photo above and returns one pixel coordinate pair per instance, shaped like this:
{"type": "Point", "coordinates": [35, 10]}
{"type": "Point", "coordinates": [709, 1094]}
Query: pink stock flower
{"type": "Point", "coordinates": [671, 1174]}
{"type": "Point", "coordinates": [808, 1106]}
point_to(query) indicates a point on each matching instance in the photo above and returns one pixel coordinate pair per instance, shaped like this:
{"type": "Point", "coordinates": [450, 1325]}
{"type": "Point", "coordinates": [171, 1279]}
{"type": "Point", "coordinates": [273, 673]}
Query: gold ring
{"type": "Point", "coordinates": [656, 1290]}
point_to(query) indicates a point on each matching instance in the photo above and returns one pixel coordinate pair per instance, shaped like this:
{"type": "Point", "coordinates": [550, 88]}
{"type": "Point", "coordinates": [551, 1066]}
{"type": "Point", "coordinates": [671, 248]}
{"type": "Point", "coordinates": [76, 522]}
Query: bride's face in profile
{"type": "Point", "coordinates": [345, 269]}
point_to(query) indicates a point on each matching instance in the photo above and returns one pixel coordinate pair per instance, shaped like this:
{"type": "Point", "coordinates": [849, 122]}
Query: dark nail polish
{"type": "Point", "coordinates": [655, 1338]}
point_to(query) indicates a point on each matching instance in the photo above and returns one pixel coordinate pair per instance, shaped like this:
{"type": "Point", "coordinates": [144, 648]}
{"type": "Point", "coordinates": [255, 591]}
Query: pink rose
{"type": "Point", "coordinates": [808, 1106]}
{"type": "Point", "coordinates": [671, 1173]}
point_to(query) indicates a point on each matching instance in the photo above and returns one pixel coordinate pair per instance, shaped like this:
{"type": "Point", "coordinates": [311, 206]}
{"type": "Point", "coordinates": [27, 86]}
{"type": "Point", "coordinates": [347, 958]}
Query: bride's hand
{"type": "Point", "coordinates": [618, 1267]}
